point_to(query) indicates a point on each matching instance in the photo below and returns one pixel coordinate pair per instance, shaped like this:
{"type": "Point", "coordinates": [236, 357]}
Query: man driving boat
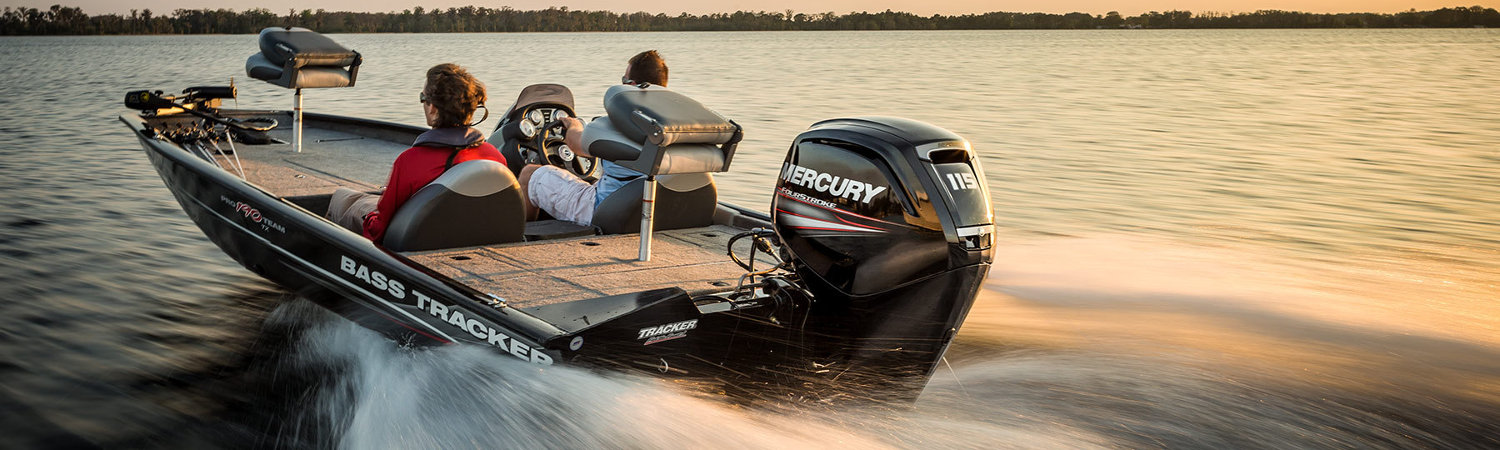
{"type": "Point", "coordinates": [449, 99]}
{"type": "Point", "coordinates": [563, 195]}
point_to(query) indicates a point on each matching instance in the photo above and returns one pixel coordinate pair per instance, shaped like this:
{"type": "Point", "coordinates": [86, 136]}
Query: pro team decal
{"type": "Point", "coordinates": [661, 333]}
{"type": "Point", "coordinates": [253, 215]}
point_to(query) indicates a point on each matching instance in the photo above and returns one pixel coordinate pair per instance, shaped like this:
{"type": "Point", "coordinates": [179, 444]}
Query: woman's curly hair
{"type": "Point", "coordinates": [455, 93]}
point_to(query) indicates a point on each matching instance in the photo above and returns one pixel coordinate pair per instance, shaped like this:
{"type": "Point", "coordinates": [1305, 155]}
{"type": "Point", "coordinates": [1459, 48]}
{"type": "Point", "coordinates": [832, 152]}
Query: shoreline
{"type": "Point", "coordinates": [72, 21]}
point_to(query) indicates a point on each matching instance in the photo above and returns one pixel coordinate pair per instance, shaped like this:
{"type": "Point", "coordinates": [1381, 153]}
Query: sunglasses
{"type": "Point", "coordinates": [422, 97]}
{"type": "Point", "coordinates": [625, 79]}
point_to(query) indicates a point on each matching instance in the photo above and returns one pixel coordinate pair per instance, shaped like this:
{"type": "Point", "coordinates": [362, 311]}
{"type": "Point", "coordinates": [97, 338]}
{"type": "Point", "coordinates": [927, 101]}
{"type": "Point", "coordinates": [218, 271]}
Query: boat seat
{"type": "Point", "coordinates": [682, 201]}
{"type": "Point", "coordinates": [656, 131]}
{"type": "Point", "coordinates": [660, 133]}
{"type": "Point", "coordinates": [474, 203]}
{"type": "Point", "coordinates": [297, 58]}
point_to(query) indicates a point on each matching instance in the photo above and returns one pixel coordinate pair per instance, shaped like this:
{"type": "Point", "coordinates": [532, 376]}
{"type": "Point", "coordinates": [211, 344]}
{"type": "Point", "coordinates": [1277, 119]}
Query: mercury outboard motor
{"type": "Point", "coordinates": [888, 223]}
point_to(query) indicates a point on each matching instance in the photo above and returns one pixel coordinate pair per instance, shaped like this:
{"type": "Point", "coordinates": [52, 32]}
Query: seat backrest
{"type": "Point", "coordinates": [656, 131]}
{"type": "Point", "coordinates": [474, 203]}
{"type": "Point", "coordinates": [682, 201]}
{"type": "Point", "coordinates": [298, 58]}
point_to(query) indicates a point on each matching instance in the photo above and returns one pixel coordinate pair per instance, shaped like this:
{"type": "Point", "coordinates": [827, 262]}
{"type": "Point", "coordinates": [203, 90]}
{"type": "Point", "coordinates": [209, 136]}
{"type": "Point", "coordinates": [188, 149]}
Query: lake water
{"type": "Point", "coordinates": [1247, 239]}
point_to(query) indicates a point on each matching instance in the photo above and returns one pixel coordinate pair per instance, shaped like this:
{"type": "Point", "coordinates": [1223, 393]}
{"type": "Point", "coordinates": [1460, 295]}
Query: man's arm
{"type": "Point", "coordinates": [573, 135]}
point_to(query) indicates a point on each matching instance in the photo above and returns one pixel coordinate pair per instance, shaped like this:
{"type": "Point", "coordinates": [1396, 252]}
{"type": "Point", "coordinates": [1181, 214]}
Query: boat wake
{"type": "Point", "coordinates": [1077, 343]}
{"type": "Point", "coordinates": [386, 396]}
{"type": "Point", "coordinates": [1141, 343]}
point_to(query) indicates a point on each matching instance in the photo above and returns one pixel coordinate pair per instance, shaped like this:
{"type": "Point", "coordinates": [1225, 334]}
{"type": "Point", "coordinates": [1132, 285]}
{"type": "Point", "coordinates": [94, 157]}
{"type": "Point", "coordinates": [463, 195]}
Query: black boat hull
{"type": "Point", "coordinates": [388, 293]}
{"type": "Point", "coordinates": [802, 332]}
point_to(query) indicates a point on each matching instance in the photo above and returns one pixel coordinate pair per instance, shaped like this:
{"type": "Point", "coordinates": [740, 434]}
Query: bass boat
{"type": "Point", "coordinates": [859, 275]}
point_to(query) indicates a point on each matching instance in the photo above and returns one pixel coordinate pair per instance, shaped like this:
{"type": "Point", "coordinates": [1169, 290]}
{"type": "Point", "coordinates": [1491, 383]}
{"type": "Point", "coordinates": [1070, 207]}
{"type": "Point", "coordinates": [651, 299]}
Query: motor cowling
{"type": "Point", "coordinates": [888, 224]}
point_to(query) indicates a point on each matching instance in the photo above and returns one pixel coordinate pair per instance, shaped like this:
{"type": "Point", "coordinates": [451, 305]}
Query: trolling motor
{"type": "Point", "coordinates": [201, 102]}
{"type": "Point", "coordinates": [201, 96]}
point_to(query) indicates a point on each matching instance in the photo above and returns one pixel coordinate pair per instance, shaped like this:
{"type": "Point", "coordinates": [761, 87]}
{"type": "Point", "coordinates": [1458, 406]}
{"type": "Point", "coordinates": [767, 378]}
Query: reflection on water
{"type": "Point", "coordinates": [1253, 238]}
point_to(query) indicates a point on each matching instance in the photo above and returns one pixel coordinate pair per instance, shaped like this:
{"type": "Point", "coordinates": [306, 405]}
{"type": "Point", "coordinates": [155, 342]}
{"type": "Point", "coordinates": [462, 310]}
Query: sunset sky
{"type": "Point", "coordinates": [924, 7]}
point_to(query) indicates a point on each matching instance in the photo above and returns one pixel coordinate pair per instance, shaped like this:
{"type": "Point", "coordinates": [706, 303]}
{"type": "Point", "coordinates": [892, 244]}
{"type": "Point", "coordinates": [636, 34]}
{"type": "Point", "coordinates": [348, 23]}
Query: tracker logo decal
{"type": "Point", "coordinates": [661, 333]}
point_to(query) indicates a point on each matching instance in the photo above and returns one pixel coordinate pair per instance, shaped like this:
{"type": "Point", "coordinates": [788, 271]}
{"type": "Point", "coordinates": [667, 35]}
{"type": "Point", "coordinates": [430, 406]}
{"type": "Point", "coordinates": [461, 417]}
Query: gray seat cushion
{"type": "Point", "coordinates": [602, 139]}
{"type": "Point", "coordinates": [682, 201]}
{"type": "Point", "coordinates": [605, 141]}
{"type": "Point", "coordinates": [681, 119]}
{"type": "Point", "coordinates": [300, 58]}
{"type": "Point", "coordinates": [260, 68]}
{"type": "Point", "coordinates": [473, 203]}
{"type": "Point", "coordinates": [280, 45]}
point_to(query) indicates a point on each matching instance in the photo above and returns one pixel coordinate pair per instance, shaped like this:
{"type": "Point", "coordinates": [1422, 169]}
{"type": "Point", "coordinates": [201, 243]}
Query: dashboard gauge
{"type": "Point", "coordinates": [528, 129]}
{"type": "Point", "coordinates": [565, 152]}
{"type": "Point", "coordinates": [536, 116]}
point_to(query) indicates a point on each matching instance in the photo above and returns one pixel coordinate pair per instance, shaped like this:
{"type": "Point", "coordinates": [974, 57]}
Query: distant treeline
{"type": "Point", "coordinates": [64, 20]}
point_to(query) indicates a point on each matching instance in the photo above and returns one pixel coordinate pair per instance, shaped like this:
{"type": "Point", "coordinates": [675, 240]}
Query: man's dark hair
{"type": "Point", "coordinates": [455, 93]}
{"type": "Point", "coordinates": [647, 67]}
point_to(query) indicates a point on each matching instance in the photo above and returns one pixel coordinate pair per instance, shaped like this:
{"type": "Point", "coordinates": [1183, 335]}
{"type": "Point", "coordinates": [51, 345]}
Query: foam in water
{"type": "Point", "coordinates": [1079, 343]}
{"type": "Point", "coordinates": [467, 396]}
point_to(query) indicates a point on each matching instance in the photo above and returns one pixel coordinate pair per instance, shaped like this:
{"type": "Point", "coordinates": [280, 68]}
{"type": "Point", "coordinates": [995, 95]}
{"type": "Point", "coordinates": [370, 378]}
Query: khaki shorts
{"type": "Point", "coordinates": [348, 208]}
{"type": "Point", "coordinates": [561, 194]}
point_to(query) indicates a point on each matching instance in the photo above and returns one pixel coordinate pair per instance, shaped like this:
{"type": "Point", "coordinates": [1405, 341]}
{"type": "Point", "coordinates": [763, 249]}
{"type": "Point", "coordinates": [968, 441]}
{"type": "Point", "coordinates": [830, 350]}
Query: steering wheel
{"type": "Point", "coordinates": [549, 149]}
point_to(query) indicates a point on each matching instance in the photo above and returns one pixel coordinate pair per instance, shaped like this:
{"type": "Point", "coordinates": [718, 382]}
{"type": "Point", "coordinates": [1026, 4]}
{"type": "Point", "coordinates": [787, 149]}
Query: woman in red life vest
{"type": "Point", "coordinates": [449, 100]}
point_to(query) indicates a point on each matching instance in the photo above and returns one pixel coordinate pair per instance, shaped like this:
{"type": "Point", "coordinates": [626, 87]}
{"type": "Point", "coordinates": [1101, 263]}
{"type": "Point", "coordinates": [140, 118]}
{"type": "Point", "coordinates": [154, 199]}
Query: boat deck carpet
{"type": "Point", "coordinates": [329, 159]}
{"type": "Point", "coordinates": [529, 274]}
{"type": "Point", "coordinates": [525, 274]}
